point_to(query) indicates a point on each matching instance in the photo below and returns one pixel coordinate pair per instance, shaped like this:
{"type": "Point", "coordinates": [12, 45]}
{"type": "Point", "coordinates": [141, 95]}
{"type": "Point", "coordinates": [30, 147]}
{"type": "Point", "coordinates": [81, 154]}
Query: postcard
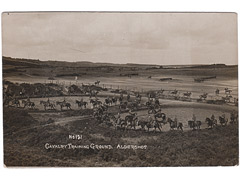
{"type": "Point", "coordinates": [120, 89]}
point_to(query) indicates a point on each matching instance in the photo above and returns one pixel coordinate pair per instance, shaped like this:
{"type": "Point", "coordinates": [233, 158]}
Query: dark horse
{"type": "Point", "coordinates": [162, 116]}
{"type": "Point", "coordinates": [131, 121]}
{"type": "Point", "coordinates": [16, 102]}
{"type": "Point", "coordinates": [114, 100]}
{"type": "Point", "coordinates": [150, 124]}
{"type": "Point", "coordinates": [194, 124]}
{"type": "Point", "coordinates": [28, 104]}
{"type": "Point", "coordinates": [223, 121]}
{"type": "Point", "coordinates": [108, 101]}
{"type": "Point", "coordinates": [95, 103]}
{"type": "Point", "coordinates": [123, 105]}
{"type": "Point", "coordinates": [97, 82]}
{"type": "Point", "coordinates": [63, 104]}
{"type": "Point", "coordinates": [81, 104]}
{"type": "Point", "coordinates": [210, 123]}
{"type": "Point", "coordinates": [174, 124]}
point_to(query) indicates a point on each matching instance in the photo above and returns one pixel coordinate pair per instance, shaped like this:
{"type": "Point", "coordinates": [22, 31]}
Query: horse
{"type": "Point", "coordinates": [157, 103]}
{"type": "Point", "coordinates": [150, 124]}
{"type": "Point", "coordinates": [223, 121]}
{"type": "Point", "coordinates": [95, 102]}
{"type": "Point", "coordinates": [227, 91]}
{"type": "Point", "coordinates": [16, 102]}
{"type": "Point", "coordinates": [210, 122]}
{"type": "Point", "coordinates": [187, 94]}
{"type": "Point", "coordinates": [81, 104]}
{"type": "Point", "coordinates": [119, 122]}
{"type": "Point", "coordinates": [114, 100]}
{"type": "Point", "coordinates": [161, 115]}
{"type": "Point", "coordinates": [138, 96]}
{"type": "Point", "coordinates": [227, 99]}
{"type": "Point", "coordinates": [174, 124]}
{"type": "Point", "coordinates": [203, 96]}
{"type": "Point", "coordinates": [52, 106]}
{"type": "Point", "coordinates": [63, 104]}
{"type": "Point", "coordinates": [97, 82]}
{"type": "Point", "coordinates": [194, 124]}
{"type": "Point", "coordinates": [148, 103]}
{"type": "Point", "coordinates": [29, 104]}
{"type": "Point", "coordinates": [128, 97]}
{"type": "Point", "coordinates": [156, 124]}
{"type": "Point", "coordinates": [93, 93]}
{"type": "Point", "coordinates": [151, 109]}
{"type": "Point", "coordinates": [131, 121]}
{"type": "Point", "coordinates": [103, 107]}
{"type": "Point", "coordinates": [123, 105]}
{"type": "Point", "coordinates": [108, 101]}
{"type": "Point", "coordinates": [233, 118]}
{"type": "Point", "coordinates": [47, 104]}
{"type": "Point", "coordinates": [174, 92]}
{"type": "Point", "coordinates": [120, 99]}
{"type": "Point", "coordinates": [134, 105]}
{"type": "Point", "coordinates": [143, 124]}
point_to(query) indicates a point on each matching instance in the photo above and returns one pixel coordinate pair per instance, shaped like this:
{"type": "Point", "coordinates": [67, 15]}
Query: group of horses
{"type": "Point", "coordinates": [222, 120]}
{"type": "Point", "coordinates": [187, 95]}
{"type": "Point", "coordinates": [156, 119]}
{"type": "Point", "coordinates": [132, 121]}
{"type": "Point", "coordinates": [25, 103]}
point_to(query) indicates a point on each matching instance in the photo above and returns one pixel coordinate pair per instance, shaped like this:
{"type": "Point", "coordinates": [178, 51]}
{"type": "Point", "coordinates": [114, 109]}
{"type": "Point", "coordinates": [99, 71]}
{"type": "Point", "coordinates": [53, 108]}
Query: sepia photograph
{"type": "Point", "coordinates": [120, 89]}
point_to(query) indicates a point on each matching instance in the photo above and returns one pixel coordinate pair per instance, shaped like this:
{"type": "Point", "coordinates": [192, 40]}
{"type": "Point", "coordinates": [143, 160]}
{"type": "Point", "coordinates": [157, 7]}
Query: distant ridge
{"type": "Point", "coordinates": [37, 62]}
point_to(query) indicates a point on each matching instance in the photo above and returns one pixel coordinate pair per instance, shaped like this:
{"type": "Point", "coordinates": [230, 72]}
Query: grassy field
{"type": "Point", "coordinates": [27, 131]}
{"type": "Point", "coordinates": [205, 147]}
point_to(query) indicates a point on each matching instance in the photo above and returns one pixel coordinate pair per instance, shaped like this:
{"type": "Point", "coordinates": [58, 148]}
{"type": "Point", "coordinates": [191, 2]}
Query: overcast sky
{"type": "Point", "coordinates": [149, 38]}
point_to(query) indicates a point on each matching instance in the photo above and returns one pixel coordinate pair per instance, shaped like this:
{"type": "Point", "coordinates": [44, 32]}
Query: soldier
{"type": "Point", "coordinates": [175, 121]}
{"type": "Point", "coordinates": [214, 120]}
{"type": "Point", "coordinates": [150, 119]}
{"type": "Point", "coordinates": [213, 117]}
{"type": "Point", "coordinates": [194, 118]}
{"type": "Point", "coordinates": [48, 101]}
{"type": "Point", "coordinates": [128, 97]}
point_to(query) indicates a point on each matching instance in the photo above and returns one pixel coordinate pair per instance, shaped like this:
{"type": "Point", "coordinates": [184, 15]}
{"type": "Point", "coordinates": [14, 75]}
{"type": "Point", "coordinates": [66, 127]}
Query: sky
{"type": "Point", "coordinates": [143, 38]}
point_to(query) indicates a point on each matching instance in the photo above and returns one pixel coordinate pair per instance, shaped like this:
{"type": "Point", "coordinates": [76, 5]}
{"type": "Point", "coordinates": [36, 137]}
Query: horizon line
{"type": "Point", "coordinates": [89, 61]}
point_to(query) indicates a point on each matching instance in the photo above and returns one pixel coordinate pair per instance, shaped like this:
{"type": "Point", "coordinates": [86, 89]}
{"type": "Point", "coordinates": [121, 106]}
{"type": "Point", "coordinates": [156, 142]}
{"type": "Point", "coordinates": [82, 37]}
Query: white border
{"type": "Point", "coordinates": [117, 173]}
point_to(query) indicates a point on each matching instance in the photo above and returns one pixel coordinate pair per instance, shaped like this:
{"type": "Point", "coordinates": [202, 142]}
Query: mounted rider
{"type": "Point", "coordinates": [194, 119]}
{"type": "Point", "coordinates": [128, 97]}
{"type": "Point", "coordinates": [48, 101]}
{"type": "Point", "coordinates": [150, 120]}
{"type": "Point", "coordinates": [175, 121]}
{"type": "Point", "coordinates": [157, 102]}
{"type": "Point", "coordinates": [234, 116]}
